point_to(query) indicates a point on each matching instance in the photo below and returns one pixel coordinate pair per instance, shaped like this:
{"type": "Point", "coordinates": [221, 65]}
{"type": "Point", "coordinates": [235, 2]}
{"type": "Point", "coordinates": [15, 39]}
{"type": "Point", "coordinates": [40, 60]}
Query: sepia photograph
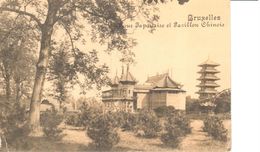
{"type": "Point", "coordinates": [115, 75]}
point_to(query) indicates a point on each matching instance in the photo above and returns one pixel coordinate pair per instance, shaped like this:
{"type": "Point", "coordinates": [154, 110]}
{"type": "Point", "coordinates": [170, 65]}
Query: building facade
{"type": "Point", "coordinates": [160, 90]}
{"type": "Point", "coordinates": [208, 78]}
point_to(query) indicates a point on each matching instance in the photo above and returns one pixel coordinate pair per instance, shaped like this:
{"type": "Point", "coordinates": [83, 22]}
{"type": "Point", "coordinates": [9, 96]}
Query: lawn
{"type": "Point", "coordinates": [76, 140]}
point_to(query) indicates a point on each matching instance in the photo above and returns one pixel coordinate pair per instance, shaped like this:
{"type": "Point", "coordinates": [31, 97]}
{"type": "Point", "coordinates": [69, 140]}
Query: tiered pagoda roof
{"type": "Point", "coordinates": [207, 79]}
{"type": "Point", "coordinates": [208, 62]}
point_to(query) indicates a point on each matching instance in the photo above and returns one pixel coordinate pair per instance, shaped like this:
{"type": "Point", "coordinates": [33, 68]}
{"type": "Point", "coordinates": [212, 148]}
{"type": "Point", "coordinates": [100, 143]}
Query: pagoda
{"type": "Point", "coordinates": [208, 79]}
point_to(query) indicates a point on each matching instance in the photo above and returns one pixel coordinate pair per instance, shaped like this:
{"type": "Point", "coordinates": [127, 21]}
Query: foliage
{"type": "Point", "coordinates": [102, 20]}
{"type": "Point", "coordinates": [222, 107]}
{"type": "Point", "coordinates": [103, 132]}
{"type": "Point", "coordinates": [17, 56]}
{"type": "Point", "coordinates": [181, 2]}
{"type": "Point", "coordinates": [177, 126]}
{"type": "Point", "coordinates": [193, 106]}
{"type": "Point", "coordinates": [73, 119]}
{"type": "Point", "coordinates": [215, 128]}
{"type": "Point", "coordinates": [67, 66]}
{"type": "Point", "coordinates": [164, 111]}
{"type": "Point", "coordinates": [131, 121]}
{"type": "Point", "coordinates": [89, 110]}
{"type": "Point", "coordinates": [13, 124]}
{"type": "Point", "coordinates": [50, 121]}
{"type": "Point", "coordinates": [148, 123]}
{"type": "Point", "coordinates": [125, 120]}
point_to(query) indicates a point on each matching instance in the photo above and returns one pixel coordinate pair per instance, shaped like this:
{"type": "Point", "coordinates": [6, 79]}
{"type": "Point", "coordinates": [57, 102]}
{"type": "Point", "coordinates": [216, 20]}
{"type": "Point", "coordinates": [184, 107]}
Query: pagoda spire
{"type": "Point", "coordinates": [122, 74]}
{"type": "Point", "coordinates": [208, 79]}
{"type": "Point", "coordinates": [127, 68]}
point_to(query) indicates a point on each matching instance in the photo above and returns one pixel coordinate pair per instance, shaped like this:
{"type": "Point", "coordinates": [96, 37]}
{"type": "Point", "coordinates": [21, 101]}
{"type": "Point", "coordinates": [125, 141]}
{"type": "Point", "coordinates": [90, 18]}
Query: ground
{"type": "Point", "coordinates": [197, 141]}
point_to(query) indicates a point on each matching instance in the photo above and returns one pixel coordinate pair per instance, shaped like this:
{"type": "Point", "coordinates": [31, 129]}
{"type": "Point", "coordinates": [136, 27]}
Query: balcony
{"type": "Point", "coordinates": [116, 95]}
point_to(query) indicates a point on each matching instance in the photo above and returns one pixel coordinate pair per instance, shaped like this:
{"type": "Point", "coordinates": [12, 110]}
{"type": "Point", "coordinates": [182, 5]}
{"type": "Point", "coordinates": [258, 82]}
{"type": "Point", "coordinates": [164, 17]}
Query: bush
{"type": "Point", "coordinates": [177, 126]}
{"type": "Point", "coordinates": [215, 128]}
{"type": "Point", "coordinates": [73, 119]}
{"type": "Point", "coordinates": [88, 112]}
{"type": "Point", "coordinates": [103, 131]}
{"type": "Point", "coordinates": [50, 120]}
{"type": "Point", "coordinates": [193, 106]}
{"type": "Point", "coordinates": [222, 107]}
{"type": "Point", "coordinates": [125, 120]}
{"type": "Point", "coordinates": [131, 121]}
{"type": "Point", "coordinates": [164, 111]}
{"type": "Point", "coordinates": [148, 123]}
{"type": "Point", "coordinates": [13, 125]}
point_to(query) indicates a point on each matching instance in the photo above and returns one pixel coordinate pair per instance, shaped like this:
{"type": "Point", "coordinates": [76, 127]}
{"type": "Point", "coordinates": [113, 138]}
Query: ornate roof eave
{"type": "Point", "coordinates": [208, 78]}
{"type": "Point", "coordinates": [209, 71]}
{"type": "Point", "coordinates": [208, 85]}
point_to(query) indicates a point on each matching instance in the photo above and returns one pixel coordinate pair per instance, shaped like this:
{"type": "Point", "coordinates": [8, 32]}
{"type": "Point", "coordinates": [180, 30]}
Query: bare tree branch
{"type": "Point", "coordinates": [70, 37]}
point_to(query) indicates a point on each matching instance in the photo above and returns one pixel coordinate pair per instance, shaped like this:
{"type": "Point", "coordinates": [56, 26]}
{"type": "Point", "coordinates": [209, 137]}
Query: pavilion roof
{"type": "Point", "coordinates": [163, 81]}
{"type": "Point", "coordinates": [208, 62]}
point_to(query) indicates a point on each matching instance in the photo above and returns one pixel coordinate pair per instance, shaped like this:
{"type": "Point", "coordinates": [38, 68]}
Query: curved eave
{"type": "Point", "coordinates": [208, 85]}
{"type": "Point", "coordinates": [209, 65]}
{"type": "Point", "coordinates": [209, 71]}
{"type": "Point", "coordinates": [208, 78]}
{"type": "Point", "coordinates": [114, 85]}
{"type": "Point", "coordinates": [168, 89]}
{"type": "Point", "coordinates": [127, 81]}
{"type": "Point", "coordinates": [207, 92]}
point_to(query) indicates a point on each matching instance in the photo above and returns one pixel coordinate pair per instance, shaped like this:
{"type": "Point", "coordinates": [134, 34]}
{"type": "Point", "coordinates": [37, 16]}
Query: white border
{"type": "Point", "coordinates": [245, 29]}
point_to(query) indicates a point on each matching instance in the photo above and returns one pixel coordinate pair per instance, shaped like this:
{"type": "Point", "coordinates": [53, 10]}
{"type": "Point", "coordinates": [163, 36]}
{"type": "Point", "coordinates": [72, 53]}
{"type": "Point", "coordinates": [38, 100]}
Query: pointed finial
{"type": "Point", "coordinates": [122, 69]}
{"type": "Point", "coordinates": [127, 70]}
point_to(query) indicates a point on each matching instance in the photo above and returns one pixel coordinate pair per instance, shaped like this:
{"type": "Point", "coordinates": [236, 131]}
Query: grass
{"type": "Point", "coordinates": [76, 140]}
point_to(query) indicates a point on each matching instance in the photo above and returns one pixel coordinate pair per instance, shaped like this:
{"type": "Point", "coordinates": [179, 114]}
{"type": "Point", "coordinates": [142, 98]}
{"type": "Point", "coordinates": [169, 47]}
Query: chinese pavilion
{"type": "Point", "coordinates": [159, 90]}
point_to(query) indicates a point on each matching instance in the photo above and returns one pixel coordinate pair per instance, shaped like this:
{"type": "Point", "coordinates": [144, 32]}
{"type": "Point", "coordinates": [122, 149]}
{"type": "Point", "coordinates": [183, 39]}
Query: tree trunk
{"type": "Point", "coordinates": [8, 87]}
{"type": "Point", "coordinates": [41, 67]}
{"type": "Point", "coordinates": [17, 92]}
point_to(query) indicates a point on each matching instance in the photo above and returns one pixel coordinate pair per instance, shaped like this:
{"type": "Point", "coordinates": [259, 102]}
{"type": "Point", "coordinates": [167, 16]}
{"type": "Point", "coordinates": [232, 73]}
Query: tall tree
{"type": "Point", "coordinates": [104, 20]}
{"type": "Point", "coordinates": [59, 72]}
{"type": "Point", "coordinates": [68, 69]}
{"type": "Point", "coordinates": [17, 56]}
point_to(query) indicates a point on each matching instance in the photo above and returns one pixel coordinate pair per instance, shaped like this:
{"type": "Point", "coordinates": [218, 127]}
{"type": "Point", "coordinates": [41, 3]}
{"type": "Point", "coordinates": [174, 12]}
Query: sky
{"type": "Point", "coordinates": [180, 50]}
{"type": "Point", "coordinates": [175, 50]}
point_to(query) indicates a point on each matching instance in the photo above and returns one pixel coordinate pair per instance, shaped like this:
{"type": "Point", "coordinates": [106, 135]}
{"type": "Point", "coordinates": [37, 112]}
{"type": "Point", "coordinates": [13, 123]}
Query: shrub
{"type": "Point", "coordinates": [131, 121]}
{"type": "Point", "coordinates": [50, 120]}
{"type": "Point", "coordinates": [164, 111]}
{"type": "Point", "coordinates": [176, 126]}
{"type": "Point", "coordinates": [222, 107]}
{"type": "Point", "coordinates": [215, 128]}
{"type": "Point", "coordinates": [73, 119]}
{"type": "Point", "coordinates": [103, 131]}
{"type": "Point", "coordinates": [13, 125]}
{"type": "Point", "coordinates": [148, 123]}
{"type": "Point", "coordinates": [125, 120]}
{"type": "Point", "coordinates": [193, 106]}
{"type": "Point", "coordinates": [88, 112]}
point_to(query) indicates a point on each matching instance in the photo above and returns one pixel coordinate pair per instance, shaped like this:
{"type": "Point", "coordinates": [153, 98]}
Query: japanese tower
{"type": "Point", "coordinates": [208, 79]}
